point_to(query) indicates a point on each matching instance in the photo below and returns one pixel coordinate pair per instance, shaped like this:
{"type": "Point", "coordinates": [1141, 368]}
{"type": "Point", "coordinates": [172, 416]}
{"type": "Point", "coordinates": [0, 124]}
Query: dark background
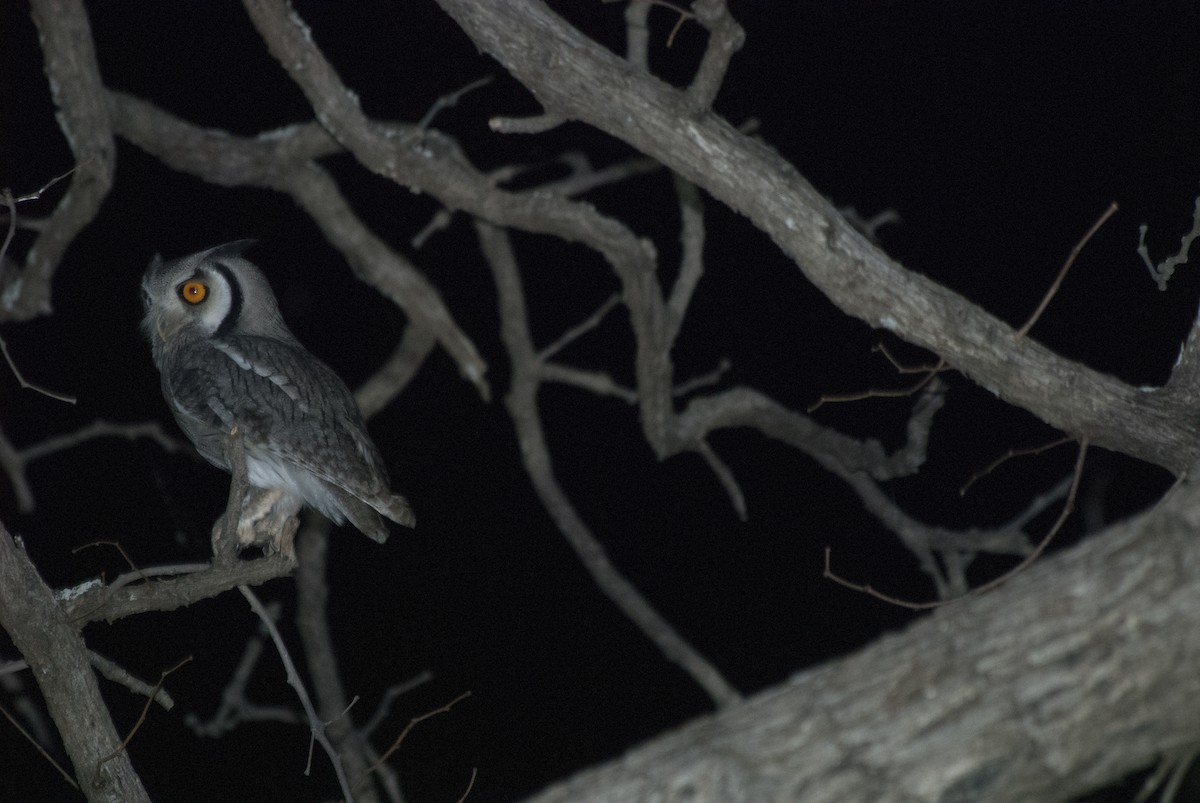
{"type": "Point", "coordinates": [998, 131]}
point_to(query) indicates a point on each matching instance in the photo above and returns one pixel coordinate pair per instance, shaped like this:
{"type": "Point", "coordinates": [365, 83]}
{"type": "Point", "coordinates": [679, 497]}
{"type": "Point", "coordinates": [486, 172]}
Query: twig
{"type": "Point", "coordinates": [385, 703]}
{"type": "Point", "coordinates": [537, 124]}
{"type": "Point", "coordinates": [725, 476]}
{"type": "Point", "coordinates": [684, 15]}
{"type": "Point", "coordinates": [703, 380]}
{"type": "Point", "coordinates": [876, 393]}
{"type": "Point", "coordinates": [293, 678]}
{"type": "Point", "coordinates": [451, 99]}
{"type": "Point", "coordinates": [1062, 273]}
{"type": "Point", "coordinates": [119, 674]}
{"type": "Point", "coordinates": [235, 708]}
{"type": "Point", "coordinates": [39, 748]}
{"type": "Point", "coordinates": [1165, 269]}
{"type": "Point", "coordinates": [594, 381]}
{"type": "Point", "coordinates": [901, 368]}
{"type": "Point", "coordinates": [26, 384]}
{"type": "Point", "coordinates": [577, 331]}
{"type": "Point", "coordinates": [412, 723]}
{"type": "Point", "coordinates": [11, 202]}
{"type": "Point", "coordinates": [1068, 507]}
{"type": "Point", "coordinates": [115, 545]}
{"type": "Point", "coordinates": [141, 718]}
{"type": "Point", "coordinates": [103, 429]}
{"type": "Point", "coordinates": [470, 785]}
{"type": "Point", "coordinates": [1009, 455]}
{"type": "Point", "coordinates": [15, 461]}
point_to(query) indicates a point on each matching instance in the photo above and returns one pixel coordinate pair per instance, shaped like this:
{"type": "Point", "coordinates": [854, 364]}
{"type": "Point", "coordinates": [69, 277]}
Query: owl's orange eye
{"type": "Point", "coordinates": [193, 292]}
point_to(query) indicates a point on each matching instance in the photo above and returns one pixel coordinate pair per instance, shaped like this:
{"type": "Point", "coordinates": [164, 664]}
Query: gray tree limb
{"type": "Point", "coordinates": [576, 78]}
{"type": "Point", "coordinates": [61, 664]}
{"type": "Point", "coordinates": [1067, 677]}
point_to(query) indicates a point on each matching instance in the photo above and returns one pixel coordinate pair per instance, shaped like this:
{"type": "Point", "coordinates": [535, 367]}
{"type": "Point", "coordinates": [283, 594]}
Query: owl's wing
{"type": "Point", "coordinates": [285, 403]}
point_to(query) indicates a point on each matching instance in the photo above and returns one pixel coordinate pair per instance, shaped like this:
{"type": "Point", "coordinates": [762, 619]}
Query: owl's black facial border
{"type": "Point", "coordinates": [235, 299]}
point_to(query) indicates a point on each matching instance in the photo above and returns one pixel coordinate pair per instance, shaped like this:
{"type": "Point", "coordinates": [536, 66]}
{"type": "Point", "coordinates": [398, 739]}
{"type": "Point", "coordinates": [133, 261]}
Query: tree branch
{"type": "Point", "coordinates": [61, 664]}
{"type": "Point", "coordinates": [983, 700]}
{"type": "Point", "coordinates": [593, 85]}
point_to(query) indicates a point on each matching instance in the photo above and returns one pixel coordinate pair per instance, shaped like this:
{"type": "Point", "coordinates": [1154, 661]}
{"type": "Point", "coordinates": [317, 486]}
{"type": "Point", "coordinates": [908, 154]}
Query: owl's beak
{"type": "Point", "coordinates": [166, 328]}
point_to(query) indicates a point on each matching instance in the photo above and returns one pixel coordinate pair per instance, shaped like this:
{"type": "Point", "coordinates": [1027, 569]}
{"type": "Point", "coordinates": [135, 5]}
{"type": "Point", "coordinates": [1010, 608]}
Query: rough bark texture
{"type": "Point", "coordinates": [60, 664]}
{"type": "Point", "coordinates": [576, 78]}
{"type": "Point", "coordinates": [1067, 677]}
{"type": "Point", "coordinates": [1071, 674]}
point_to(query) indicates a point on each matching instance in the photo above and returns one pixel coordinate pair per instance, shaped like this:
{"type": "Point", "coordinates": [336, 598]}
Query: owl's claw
{"type": "Point", "coordinates": [268, 521]}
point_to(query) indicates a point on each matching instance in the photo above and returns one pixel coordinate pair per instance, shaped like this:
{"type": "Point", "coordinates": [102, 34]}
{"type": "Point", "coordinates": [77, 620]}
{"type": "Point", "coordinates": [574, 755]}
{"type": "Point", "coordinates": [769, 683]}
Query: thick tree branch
{"type": "Point", "coordinates": [982, 700]}
{"type": "Point", "coordinates": [99, 602]}
{"type": "Point", "coordinates": [74, 78]}
{"type": "Point", "coordinates": [575, 77]}
{"type": "Point", "coordinates": [61, 664]}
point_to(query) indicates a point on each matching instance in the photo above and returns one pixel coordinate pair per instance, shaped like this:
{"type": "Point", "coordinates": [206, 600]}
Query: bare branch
{"type": "Point", "coordinates": [1062, 273]}
{"type": "Point", "coordinates": [312, 594]}
{"type": "Point", "coordinates": [293, 679]}
{"type": "Point", "coordinates": [725, 477]}
{"type": "Point", "coordinates": [150, 698]}
{"type": "Point", "coordinates": [451, 99]}
{"type": "Point", "coordinates": [522, 406]}
{"type": "Point", "coordinates": [390, 379]}
{"type": "Point", "coordinates": [26, 384]}
{"type": "Point", "coordinates": [412, 723]}
{"type": "Point", "coordinates": [725, 37]}
{"type": "Point", "coordinates": [691, 265]}
{"type": "Point", "coordinates": [61, 665]}
{"type": "Point", "coordinates": [598, 87]}
{"type": "Point", "coordinates": [14, 461]}
{"type": "Point", "coordinates": [384, 709]}
{"type": "Point", "coordinates": [119, 674]}
{"type": "Point", "coordinates": [97, 602]}
{"type": "Point", "coordinates": [577, 331]}
{"type": "Point", "coordinates": [235, 708]}
{"type": "Point", "coordinates": [66, 776]}
{"type": "Point", "coordinates": [593, 381]}
{"type": "Point", "coordinates": [1163, 271]}
{"type": "Point", "coordinates": [74, 79]}
{"type": "Point", "coordinates": [538, 124]}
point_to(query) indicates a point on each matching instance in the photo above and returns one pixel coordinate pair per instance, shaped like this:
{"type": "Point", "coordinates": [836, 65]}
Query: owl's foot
{"type": "Point", "coordinates": [269, 520]}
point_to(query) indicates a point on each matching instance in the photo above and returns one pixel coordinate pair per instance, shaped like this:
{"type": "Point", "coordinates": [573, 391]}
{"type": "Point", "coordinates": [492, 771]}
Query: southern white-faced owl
{"type": "Point", "coordinates": [228, 361]}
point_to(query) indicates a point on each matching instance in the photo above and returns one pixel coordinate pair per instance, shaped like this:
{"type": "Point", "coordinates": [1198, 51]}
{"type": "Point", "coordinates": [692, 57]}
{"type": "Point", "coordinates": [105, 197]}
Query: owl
{"type": "Point", "coordinates": [227, 360]}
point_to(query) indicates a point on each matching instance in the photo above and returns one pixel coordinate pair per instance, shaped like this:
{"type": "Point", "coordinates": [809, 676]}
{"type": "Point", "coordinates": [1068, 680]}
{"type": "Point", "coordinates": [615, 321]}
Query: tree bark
{"type": "Point", "coordinates": [576, 78]}
{"type": "Point", "coordinates": [1069, 676]}
{"type": "Point", "coordinates": [58, 660]}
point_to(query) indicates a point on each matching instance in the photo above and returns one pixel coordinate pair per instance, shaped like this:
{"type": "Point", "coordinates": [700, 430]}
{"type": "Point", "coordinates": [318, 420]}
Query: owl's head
{"type": "Point", "coordinates": [209, 294]}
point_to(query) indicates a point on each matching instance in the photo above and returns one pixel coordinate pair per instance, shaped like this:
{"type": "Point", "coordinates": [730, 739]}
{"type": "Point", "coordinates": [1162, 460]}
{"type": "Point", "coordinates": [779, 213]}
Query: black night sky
{"type": "Point", "coordinates": [999, 132]}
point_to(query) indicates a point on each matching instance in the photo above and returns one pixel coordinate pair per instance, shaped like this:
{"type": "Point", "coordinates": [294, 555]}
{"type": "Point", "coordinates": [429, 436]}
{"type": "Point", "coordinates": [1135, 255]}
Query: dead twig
{"type": "Point", "coordinates": [1062, 273]}
{"type": "Point", "coordinates": [1068, 507]}
{"type": "Point", "coordinates": [1009, 455]}
{"type": "Point", "coordinates": [141, 718]}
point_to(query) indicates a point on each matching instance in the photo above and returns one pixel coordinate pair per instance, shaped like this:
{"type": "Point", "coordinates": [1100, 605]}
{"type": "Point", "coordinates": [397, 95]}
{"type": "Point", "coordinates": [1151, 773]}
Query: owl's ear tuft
{"type": "Point", "coordinates": [232, 249]}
